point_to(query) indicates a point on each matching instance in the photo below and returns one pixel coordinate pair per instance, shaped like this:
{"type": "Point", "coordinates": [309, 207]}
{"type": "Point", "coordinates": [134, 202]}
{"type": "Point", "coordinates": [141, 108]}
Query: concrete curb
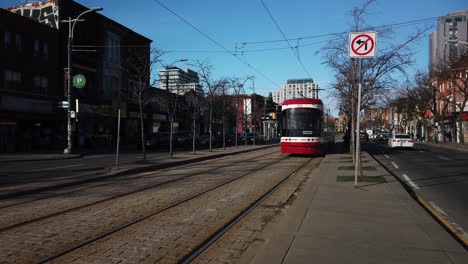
{"type": "Point", "coordinates": [442, 146]}
{"type": "Point", "coordinates": [64, 157]}
{"type": "Point", "coordinates": [431, 211]}
{"type": "Point", "coordinates": [111, 174]}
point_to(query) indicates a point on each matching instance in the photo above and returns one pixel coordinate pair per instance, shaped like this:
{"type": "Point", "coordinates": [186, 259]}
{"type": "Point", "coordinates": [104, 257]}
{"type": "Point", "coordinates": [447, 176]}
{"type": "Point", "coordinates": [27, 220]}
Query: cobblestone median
{"type": "Point", "coordinates": [95, 192]}
{"type": "Point", "coordinates": [232, 245]}
{"type": "Point", "coordinates": [40, 239]}
{"type": "Point", "coordinates": [168, 237]}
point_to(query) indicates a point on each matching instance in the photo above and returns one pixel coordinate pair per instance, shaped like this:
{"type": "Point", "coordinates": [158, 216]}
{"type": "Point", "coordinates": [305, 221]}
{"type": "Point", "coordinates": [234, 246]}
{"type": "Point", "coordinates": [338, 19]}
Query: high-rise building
{"type": "Point", "coordinates": [179, 81]}
{"type": "Point", "coordinates": [451, 38]}
{"type": "Point", "coordinates": [296, 88]}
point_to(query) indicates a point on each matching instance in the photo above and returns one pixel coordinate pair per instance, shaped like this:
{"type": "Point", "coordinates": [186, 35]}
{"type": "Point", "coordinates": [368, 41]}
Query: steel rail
{"type": "Point", "coordinates": [116, 196]}
{"type": "Point", "coordinates": [205, 245]}
{"type": "Point", "coordinates": [114, 230]}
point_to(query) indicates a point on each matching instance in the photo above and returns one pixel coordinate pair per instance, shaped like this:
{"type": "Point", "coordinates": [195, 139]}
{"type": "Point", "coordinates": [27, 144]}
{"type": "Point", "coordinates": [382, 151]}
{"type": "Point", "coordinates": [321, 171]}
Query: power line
{"type": "Point", "coordinates": [116, 46]}
{"type": "Point", "coordinates": [395, 25]}
{"type": "Point", "coordinates": [249, 51]}
{"type": "Point", "coordinates": [285, 38]}
{"type": "Point", "coordinates": [216, 42]}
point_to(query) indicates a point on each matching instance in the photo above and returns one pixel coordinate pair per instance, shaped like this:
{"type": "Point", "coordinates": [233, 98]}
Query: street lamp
{"type": "Point", "coordinates": [71, 114]}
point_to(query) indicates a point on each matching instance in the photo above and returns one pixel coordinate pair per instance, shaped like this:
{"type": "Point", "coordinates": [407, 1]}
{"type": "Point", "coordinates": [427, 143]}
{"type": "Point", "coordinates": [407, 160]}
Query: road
{"type": "Point", "coordinates": [439, 176]}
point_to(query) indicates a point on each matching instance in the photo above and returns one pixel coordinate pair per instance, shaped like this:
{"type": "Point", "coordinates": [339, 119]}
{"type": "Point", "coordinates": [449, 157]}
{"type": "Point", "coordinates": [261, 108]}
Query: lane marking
{"type": "Point", "coordinates": [386, 156]}
{"type": "Point", "coordinates": [394, 165]}
{"type": "Point", "coordinates": [410, 182]}
{"type": "Point", "coordinates": [447, 220]}
{"type": "Point", "coordinates": [443, 158]}
{"type": "Point", "coordinates": [69, 166]}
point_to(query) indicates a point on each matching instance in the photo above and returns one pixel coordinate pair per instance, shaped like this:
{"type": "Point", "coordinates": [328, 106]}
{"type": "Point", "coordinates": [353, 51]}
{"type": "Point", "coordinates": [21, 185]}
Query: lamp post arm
{"type": "Point", "coordinates": [77, 18]}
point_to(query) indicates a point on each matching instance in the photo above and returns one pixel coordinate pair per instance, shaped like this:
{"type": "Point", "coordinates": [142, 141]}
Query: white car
{"type": "Point", "coordinates": [400, 141]}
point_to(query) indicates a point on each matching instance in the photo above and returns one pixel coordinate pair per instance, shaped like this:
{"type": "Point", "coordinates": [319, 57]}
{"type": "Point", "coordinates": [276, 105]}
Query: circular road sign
{"type": "Point", "coordinates": [362, 44]}
{"type": "Point", "coordinates": [79, 81]}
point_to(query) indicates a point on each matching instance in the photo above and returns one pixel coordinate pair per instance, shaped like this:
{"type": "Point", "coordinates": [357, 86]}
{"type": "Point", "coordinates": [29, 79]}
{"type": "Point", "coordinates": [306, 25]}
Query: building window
{"type": "Point", "coordinates": [12, 79]}
{"type": "Point", "coordinates": [113, 49]}
{"type": "Point", "coordinates": [18, 42]}
{"type": "Point", "coordinates": [7, 40]}
{"type": "Point", "coordinates": [41, 83]}
{"type": "Point", "coordinates": [45, 49]}
{"type": "Point", "coordinates": [37, 47]}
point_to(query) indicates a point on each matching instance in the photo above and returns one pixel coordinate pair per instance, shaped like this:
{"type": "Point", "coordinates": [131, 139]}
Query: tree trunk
{"type": "Point", "coordinates": [443, 129]}
{"type": "Point", "coordinates": [194, 131]}
{"type": "Point", "coordinates": [143, 148]}
{"type": "Point", "coordinates": [237, 122]}
{"type": "Point", "coordinates": [224, 124]}
{"type": "Point", "coordinates": [211, 125]}
{"type": "Point", "coordinates": [170, 138]}
{"type": "Point", "coordinates": [461, 136]}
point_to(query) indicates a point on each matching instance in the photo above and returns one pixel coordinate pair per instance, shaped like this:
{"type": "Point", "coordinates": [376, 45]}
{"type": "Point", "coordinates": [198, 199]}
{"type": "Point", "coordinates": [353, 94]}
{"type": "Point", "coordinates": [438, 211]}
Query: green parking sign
{"type": "Point", "coordinates": [79, 81]}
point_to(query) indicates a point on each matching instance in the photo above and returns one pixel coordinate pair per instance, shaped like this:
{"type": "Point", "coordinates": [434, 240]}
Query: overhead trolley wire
{"type": "Point", "coordinates": [214, 41]}
{"type": "Point", "coordinates": [285, 38]}
{"type": "Point", "coordinates": [395, 25]}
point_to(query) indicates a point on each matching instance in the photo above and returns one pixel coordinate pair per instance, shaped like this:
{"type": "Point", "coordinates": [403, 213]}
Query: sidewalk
{"type": "Point", "coordinates": [333, 222]}
{"type": "Point", "coordinates": [449, 145]}
{"type": "Point", "coordinates": [58, 154]}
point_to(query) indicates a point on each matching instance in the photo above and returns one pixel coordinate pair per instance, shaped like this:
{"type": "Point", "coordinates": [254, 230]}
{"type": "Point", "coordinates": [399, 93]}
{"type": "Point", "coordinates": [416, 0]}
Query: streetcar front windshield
{"type": "Point", "coordinates": [301, 122]}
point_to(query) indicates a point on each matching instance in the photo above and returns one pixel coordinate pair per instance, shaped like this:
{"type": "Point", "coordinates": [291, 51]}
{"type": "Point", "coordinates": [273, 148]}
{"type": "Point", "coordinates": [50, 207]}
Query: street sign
{"type": "Point", "coordinates": [63, 104]}
{"type": "Point", "coordinates": [79, 81]}
{"type": "Point", "coordinates": [362, 44]}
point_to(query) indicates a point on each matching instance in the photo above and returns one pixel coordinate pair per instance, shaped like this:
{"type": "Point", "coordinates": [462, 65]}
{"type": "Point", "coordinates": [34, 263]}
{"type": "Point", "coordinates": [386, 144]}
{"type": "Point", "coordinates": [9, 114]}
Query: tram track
{"type": "Point", "coordinates": [119, 233]}
{"type": "Point", "coordinates": [115, 197]}
{"type": "Point", "coordinates": [216, 236]}
{"type": "Point", "coordinates": [110, 182]}
{"type": "Point", "coordinates": [60, 239]}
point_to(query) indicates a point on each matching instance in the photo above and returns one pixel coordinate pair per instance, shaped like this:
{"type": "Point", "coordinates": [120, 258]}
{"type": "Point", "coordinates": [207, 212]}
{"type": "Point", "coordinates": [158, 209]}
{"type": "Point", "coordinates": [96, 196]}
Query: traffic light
{"type": "Point", "coordinates": [273, 116]}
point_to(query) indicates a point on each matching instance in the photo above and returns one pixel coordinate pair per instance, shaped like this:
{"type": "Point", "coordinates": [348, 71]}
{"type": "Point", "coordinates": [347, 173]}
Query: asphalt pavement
{"type": "Point", "coordinates": [379, 221]}
{"type": "Point", "coordinates": [438, 175]}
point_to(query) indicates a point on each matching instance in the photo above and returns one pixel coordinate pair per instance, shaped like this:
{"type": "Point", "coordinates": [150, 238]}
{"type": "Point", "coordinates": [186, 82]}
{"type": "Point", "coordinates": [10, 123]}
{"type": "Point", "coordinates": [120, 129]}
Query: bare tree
{"type": "Point", "coordinates": [221, 105]}
{"type": "Point", "coordinates": [237, 85]}
{"type": "Point", "coordinates": [211, 86]}
{"type": "Point", "coordinates": [376, 73]}
{"type": "Point", "coordinates": [139, 67]}
{"type": "Point", "coordinates": [173, 101]}
{"type": "Point", "coordinates": [454, 74]}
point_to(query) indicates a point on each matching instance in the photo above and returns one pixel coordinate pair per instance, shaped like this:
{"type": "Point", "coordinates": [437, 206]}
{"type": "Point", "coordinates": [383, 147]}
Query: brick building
{"type": "Point", "coordinates": [98, 54]}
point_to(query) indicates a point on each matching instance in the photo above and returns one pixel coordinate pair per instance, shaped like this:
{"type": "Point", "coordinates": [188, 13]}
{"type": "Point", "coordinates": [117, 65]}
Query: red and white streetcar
{"type": "Point", "coordinates": [304, 128]}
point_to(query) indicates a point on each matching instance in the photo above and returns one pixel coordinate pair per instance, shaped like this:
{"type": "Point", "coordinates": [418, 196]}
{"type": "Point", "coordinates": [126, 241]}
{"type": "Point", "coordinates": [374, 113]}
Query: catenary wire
{"type": "Point", "coordinates": [216, 42]}
{"type": "Point", "coordinates": [285, 38]}
{"type": "Point", "coordinates": [407, 23]}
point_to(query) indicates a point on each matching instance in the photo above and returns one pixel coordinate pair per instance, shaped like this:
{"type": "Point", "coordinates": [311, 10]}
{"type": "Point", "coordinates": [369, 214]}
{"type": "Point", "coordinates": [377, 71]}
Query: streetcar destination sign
{"type": "Point", "coordinates": [362, 44]}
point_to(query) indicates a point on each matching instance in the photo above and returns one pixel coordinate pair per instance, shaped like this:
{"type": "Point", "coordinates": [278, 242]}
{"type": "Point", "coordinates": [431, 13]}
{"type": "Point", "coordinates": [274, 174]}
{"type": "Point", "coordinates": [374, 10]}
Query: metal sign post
{"type": "Point", "coordinates": [361, 45]}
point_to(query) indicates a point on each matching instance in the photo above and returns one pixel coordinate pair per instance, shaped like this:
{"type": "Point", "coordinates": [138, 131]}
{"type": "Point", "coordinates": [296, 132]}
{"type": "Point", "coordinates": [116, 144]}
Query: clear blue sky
{"type": "Point", "coordinates": [234, 22]}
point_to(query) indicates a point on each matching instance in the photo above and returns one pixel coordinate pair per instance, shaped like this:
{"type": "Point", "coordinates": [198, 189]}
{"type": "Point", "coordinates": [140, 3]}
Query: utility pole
{"type": "Point", "coordinates": [71, 112]}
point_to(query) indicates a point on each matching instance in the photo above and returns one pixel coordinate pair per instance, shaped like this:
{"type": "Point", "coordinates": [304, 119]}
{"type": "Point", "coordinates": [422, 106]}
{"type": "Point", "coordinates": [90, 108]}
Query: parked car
{"type": "Point", "coordinates": [400, 141]}
{"type": "Point", "coordinates": [205, 140]}
{"type": "Point", "coordinates": [183, 138]}
{"type": "Point", "coordinates": [246, 136]}
{"type": "Point", "coordinates": [363, 136]}
{"type": "Point", "coordinates": [157, 139]}
{"type": "Point", "coordinates": [382, 137]}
